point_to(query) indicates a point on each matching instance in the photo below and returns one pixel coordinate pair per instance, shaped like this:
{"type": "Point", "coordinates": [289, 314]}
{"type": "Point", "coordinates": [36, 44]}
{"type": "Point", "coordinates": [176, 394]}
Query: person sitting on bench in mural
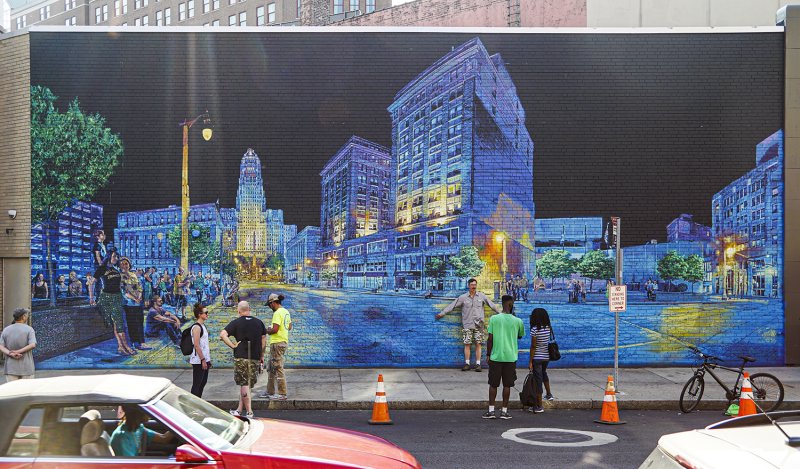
{"type": "Point", "coordinates": [110, 302]}
{"type": "Point", "coordinates": [161, 322]}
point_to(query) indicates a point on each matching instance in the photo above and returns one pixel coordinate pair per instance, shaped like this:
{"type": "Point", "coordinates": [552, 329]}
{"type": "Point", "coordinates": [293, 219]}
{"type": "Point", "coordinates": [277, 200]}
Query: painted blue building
{"type": "Point", "coordinates": [747, 225]}
{"type": "Point", "coordinates": [684, 228]}
{"type": "Point", "coordinates": [143, 236]}
{"type": "Point", "coordinates": [462, 166]}
{"type": "Point", "coordinates": [641, 262]}
{"type": "Point", "coordinates": [577, 236]}
{"type": "Point", "coordinates": [70, 241]}
{"type": "Point", "coordinates": [302, 259]}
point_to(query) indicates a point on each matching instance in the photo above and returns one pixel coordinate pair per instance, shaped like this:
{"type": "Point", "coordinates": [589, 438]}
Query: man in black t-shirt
{"type": "Point", "coordinates": [248, 353]}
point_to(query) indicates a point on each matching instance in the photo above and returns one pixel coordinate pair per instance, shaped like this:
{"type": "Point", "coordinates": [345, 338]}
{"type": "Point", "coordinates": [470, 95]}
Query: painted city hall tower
{"type": "Point", "coordinates": [251, 208]}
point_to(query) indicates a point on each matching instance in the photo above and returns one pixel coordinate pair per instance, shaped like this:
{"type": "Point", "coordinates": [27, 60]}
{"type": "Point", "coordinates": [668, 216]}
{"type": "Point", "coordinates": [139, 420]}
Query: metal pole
{"type": "Point", "coordinates": [184, 261]}
{"type": "Point", "coordinates": [618, 272]}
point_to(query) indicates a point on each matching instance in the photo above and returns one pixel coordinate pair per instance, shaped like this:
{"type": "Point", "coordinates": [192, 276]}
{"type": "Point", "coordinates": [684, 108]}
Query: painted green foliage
{"type": "Point", "coordinates": [73, 154]}
{"type": "Point", "coordinates": [555, 264]}
{"type": "Point", "coordinates": [436, 268]}
{"type": "Point", "coordinates": [695, 270]}
{"type": "Point", "coordinates": [202, 249]}
{"type": "Point", "coordinates": [467, 263]}
{"type": "Point", "coordinates": [671, 267]}
{"type": "Point", "coordinates": [596, 265]}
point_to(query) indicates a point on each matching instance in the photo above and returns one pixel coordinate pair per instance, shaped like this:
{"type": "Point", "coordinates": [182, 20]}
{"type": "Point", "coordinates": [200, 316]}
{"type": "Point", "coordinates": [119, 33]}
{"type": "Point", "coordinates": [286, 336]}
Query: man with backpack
{"type": "Point", "coordinates": [502, 350]}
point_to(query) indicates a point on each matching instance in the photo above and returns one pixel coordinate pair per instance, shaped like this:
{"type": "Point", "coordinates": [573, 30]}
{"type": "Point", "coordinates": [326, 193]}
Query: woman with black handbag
{"type": "Point", "coordinates": [541, 333]}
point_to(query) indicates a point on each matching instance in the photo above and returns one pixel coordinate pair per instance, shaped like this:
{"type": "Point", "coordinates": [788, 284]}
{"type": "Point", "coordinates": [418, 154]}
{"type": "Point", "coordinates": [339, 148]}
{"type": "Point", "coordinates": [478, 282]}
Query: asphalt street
{"type": "Point", "coordinates": [461, 439]}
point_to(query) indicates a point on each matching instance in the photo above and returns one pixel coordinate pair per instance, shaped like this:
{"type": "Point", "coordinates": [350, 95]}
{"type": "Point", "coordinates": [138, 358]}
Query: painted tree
{"type": "Point", "coordinates": [467, 263]}
{"type": "Point", "coordinates": [554, 264]}
{"type": "Point", "coordinates": [695, 269]}
{"type": "Point", "coordinates": [436, 268]}
{"type": "Point", "coordinates": [73, 155]}
{"type": "Point", "coordinates": [596, 265]}
{"type": "Point", "coordinates": [672, 266]}
{"type": "Point", "coordinates": [202, 249]}
{"type": "Point", "coordinates": [274, 263]}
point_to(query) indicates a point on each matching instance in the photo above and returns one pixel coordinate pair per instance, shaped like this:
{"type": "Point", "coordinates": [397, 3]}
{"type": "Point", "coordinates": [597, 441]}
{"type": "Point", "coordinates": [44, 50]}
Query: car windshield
{"type": "Point", "coordinates": [211, 425]}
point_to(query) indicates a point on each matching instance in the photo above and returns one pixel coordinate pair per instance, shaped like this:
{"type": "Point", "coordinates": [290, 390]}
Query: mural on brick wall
{"type": "Point", "coordinates": [138, 218]}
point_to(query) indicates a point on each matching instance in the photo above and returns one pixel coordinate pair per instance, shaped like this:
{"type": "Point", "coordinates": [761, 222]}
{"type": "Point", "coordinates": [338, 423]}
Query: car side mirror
{"type": "Point", "coordinates": [190, 454]}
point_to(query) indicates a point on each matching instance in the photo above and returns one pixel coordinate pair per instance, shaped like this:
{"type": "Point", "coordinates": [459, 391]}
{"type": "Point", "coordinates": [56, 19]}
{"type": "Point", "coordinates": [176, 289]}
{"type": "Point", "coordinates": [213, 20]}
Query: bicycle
{"type": "Point", "coordinates": [767, 389]}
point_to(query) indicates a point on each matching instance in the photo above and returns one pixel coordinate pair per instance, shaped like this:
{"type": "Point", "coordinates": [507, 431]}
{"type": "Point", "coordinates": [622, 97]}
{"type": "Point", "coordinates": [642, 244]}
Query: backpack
{"type": "Point", "coordinates": [187, 346]}
{"type": "Point", "coordinates": [527, 397]}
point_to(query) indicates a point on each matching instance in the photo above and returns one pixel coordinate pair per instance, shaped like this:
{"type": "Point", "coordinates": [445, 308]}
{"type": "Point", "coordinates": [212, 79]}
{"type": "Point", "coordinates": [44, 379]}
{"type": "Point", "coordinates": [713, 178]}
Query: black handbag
{"type": "Point", "coordinates": [552, 348]}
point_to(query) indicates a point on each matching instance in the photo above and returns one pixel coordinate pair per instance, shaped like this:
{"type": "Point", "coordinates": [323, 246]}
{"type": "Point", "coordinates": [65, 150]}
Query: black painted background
{"type": "Point", "coordinates": [641, 126]}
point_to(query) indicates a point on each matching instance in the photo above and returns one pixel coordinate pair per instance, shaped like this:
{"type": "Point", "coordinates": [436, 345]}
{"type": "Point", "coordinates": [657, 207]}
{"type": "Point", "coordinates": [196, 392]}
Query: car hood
{"type": "Point", "coordinates": [761, 446]}
{"type": "Point", "coordinates": [292, 440]}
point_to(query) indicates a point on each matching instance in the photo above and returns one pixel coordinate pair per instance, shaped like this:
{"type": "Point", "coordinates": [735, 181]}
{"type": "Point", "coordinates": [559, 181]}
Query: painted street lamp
{"type": "Point", "coordinates": [501, 238]}
{"type": "Point", "coordinates": [187, 124]}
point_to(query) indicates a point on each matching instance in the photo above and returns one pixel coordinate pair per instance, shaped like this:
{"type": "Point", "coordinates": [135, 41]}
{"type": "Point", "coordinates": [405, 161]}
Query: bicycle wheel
{"type": "Point", "coordinates": [692, 393]}
{"type": "Point", "coordinates": [767, 391]}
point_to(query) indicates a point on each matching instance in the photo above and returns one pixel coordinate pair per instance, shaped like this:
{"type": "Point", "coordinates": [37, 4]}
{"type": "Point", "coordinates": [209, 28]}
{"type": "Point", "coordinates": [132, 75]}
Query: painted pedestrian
{"type": "Point", "coordinates": [160, 322]}
{"type": "Point", "coordinates": [132, 303]}
{"type": "Point", "coordinates": [249, 347]}
{"type": "Point", "coordinates": [502, 351]}
{"type": "Point", "coordinates": [473, 320]}
{"type": "Point", "coordinates": [39, 289]}
{"type": "Point", "coordinates": [110, 302]}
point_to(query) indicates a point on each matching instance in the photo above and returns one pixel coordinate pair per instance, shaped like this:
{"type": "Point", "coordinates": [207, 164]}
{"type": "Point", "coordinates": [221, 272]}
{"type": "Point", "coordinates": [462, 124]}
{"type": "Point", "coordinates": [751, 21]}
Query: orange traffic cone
{"type": "Point", "coordinates": [380, 409]}
{"type": "Point", "coordinates": [609, 415]}
{"type": "Point", "coordinates": [746, 404]}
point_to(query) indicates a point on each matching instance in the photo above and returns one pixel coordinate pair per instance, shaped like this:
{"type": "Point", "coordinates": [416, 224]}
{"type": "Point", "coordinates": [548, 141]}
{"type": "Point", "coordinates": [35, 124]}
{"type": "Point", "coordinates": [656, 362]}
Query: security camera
{"type": "Point", "coordinates": [12, 214]}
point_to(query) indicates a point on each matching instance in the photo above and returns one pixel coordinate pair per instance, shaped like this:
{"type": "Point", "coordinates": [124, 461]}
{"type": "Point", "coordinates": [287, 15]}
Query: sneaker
{"type": "Point", "coordinates": [278, 397]}
{"type": "Point", "coordinates": [264, 395]}
{"type": "Point", "coordinates": [476, 367]}
{"type": "Point", "coordinates": [465, 368]}
{"type": "Point", "coordinates": [249, 415]}
{"type": "Point", "coordinates": [489, 415]}
{"type": "Point", "coordinates": [538, 410]}
{"type": "Point", "coordinates": [235, 413]}
{"type": "Point", "coordinates": [505, 415]}
{"type": "Point", "coordinates": [549, 397]}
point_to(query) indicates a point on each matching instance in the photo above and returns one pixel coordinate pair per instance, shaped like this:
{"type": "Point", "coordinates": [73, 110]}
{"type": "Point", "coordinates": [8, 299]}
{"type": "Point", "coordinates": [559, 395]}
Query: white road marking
{"type": "Point", "coordinates": [595, 438]}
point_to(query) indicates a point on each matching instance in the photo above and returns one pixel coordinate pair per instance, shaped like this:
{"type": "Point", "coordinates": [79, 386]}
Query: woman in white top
{"type": "Point", "coordinates": [201, 355]}
{"type": "Point", "coordinates": [540, 357]}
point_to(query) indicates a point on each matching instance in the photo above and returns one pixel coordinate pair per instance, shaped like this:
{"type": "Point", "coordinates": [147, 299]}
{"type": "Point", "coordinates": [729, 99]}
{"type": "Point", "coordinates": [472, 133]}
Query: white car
{"type": "Point", "coordinates": [750, 442]}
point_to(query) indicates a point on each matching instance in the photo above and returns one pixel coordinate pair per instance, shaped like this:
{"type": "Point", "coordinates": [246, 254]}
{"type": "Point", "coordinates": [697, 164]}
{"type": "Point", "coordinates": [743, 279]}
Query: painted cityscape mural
{"type": "Point", "coordinates": [369, 199]}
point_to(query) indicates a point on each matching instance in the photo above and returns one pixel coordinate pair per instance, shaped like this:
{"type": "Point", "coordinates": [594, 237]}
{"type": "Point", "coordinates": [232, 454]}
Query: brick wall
{"type": "Point", "coordinates": [14, 155]}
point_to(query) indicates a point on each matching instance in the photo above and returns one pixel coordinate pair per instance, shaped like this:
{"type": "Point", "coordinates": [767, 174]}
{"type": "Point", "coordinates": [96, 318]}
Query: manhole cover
{"type": "Point", "coordinates": [558, 437]}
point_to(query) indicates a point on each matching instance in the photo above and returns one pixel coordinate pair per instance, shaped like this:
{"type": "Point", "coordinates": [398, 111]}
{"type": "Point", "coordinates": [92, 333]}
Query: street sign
{"type": "Point", "coordinates": [617, 298]}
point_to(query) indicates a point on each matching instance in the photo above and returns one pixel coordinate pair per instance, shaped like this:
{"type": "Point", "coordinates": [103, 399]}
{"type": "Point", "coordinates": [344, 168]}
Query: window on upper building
{"type": "Point", "coordinates": [338, 7]}
{"type": "Point", "coordinates": [353, 5]}
{"type": "Point", "coordinates": [97, 15]}
{"type": "Point", "coordinates": [22, 22]}
{"type": "Point", "coordinates": [125, 7]}
{"type": "Point", "coordinates": [44, 12]}
{"type": "Point", "coordinates": [181, 11]}
{"type": "Point", "coordinates": [206, 6]}
{"type": "Point", "coordinates": [232, 20]}
{"type": "Point", "coordinates": [190, 9]}
{"type": "Point", "coordinates": [298, 8]}
{"type": "Point", "coordinates": [105, 12]}
{"type": "Point", "coordinates": [271, 12]}
{"type": "Point", "coordinates": [370, 6]}
{"type": "Point", "coordinates": [159, 18]}
{"type": "Point", "coordinates": [243, 18]}
{"type": "Point", "coordinates": [215, 23]}
{"type": "Point", "coordinates": [167, 16]}
{"type": "Point", "coordinates": [214, 5]}
{"type": "Point", "coordinates": [137, 22]}
{"type": "Point", "coordinates": [146, 20]}
{"type": "Point", "coordinates": [260, 16]}
{"type": "Point", "coordinates": [137, 4]}
{"type": "Point", "coordinates": [117, 7]}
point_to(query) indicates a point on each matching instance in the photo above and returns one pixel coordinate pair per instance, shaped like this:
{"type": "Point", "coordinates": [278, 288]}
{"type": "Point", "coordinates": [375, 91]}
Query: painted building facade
{"type": "Point", "coordinates": [71, 240]}
{"type": "Point", "coordinates": [251, 208]}
{"type": "Point", "coordinates": [302, 253]}
{"type": "Point", "coordinates": [748, 227]}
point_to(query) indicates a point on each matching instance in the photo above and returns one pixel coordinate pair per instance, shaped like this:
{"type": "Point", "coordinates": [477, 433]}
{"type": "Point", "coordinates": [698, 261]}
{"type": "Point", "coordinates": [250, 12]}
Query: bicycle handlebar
{"type": "Point", "coordinates": [704, 356]}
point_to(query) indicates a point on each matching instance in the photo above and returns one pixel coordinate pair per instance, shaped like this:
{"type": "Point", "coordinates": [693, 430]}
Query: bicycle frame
{"type": "Point", "coordinates": [707, 367]}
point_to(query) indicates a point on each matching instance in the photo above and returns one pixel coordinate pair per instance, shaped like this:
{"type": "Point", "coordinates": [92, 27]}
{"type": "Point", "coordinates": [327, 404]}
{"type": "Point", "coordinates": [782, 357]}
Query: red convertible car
{"type": "Point", "coordinates": [64, 422]}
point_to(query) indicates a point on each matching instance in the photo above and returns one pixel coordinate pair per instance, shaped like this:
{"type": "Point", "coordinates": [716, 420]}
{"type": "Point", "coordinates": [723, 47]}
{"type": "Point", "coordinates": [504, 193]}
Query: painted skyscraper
{"type": "Point", "coordinates": [251, 207]}
{"type": "Point", "coordinates": [463, 161]}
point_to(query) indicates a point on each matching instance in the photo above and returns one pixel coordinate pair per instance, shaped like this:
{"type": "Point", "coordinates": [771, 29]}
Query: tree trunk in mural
{"type": "Point", "coordinates": [48, 260]}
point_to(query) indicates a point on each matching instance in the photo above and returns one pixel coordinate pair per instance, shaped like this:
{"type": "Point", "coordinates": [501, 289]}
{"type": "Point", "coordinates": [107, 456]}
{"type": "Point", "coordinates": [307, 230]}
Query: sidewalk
{"type": "Point", "coordinates": [428, 388]}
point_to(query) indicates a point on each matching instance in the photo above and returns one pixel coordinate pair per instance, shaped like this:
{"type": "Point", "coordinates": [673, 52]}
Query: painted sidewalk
{"type": "Point", "coordinates": [428, 388]}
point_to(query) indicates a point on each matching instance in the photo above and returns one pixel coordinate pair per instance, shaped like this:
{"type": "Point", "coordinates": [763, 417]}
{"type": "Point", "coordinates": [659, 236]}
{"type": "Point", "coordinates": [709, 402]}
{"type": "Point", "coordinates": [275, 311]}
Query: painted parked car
{"type": "Point", "coordinates": [64, 422]}
{"type": "Point", "coordinates": [750, 442]}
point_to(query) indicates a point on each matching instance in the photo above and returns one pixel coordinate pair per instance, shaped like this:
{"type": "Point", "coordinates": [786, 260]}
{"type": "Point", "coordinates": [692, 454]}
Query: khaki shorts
{"type": "Point", "coordinates": [473, 336]}
{"type": "Point", "coordinates": [245, 372]}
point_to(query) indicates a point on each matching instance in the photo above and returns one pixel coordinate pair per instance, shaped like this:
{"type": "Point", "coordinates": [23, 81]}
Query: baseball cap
{"type": "Point", "coordinates": [272, 297]}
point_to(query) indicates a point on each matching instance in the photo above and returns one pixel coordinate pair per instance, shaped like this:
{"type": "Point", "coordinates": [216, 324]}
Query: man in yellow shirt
{"type": "Point", "coordinates": [278, 343]}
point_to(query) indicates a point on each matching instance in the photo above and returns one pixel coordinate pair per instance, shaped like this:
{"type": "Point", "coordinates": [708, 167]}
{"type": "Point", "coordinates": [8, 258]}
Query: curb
{"type": "Point", "coordinates": [302, 404]}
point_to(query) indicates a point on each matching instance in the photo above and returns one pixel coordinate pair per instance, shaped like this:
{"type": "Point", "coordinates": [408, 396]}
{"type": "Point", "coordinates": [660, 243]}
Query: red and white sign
{"type": "Point", "coordinates": [617, 298]}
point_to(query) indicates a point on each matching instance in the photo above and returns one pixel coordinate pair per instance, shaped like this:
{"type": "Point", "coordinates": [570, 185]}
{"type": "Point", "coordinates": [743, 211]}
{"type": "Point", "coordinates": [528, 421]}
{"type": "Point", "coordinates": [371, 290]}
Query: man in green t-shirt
{"type": "Point", "coordinates": [502, 349]}
{"type": "Point", "coordinates": [278, 343]}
